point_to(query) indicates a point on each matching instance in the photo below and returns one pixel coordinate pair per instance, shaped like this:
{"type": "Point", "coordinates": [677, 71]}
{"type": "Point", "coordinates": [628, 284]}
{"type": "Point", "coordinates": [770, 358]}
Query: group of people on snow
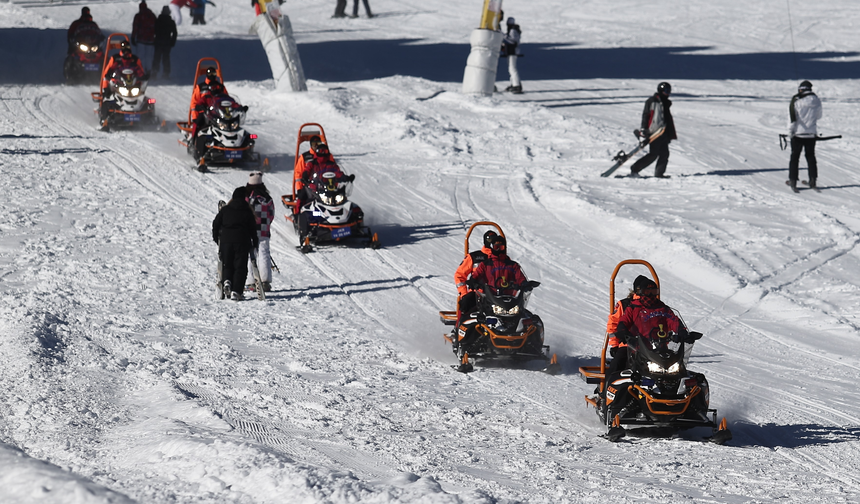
{"type": "Point", "coordinates": [658, 130]}
{"type": "Point", "coordinates": [241, 227]}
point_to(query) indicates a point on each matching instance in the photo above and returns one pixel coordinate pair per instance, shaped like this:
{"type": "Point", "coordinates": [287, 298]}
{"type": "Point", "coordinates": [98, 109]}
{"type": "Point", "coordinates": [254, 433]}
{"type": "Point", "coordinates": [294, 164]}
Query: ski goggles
{"type": "Point", "coordinates": [650, 292]}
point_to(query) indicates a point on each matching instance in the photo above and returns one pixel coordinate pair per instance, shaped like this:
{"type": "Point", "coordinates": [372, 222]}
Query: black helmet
{"type": "Point", "coordinates": [488, 238]}
{"type": "Point", "coordinates": [805, 86]}
{"type": "Point", "coordinates": [321, 149]}
{"type": "Point", "coordinates": [125, 49]}
{"type": "Point", "coordinates": [499, 245]}
{"type": "Point", "coordinates": [645, 287]}
{"type": "Point", "coordinates": [664, 88]}
{"type": "Point", "coordinates": [211, 72]}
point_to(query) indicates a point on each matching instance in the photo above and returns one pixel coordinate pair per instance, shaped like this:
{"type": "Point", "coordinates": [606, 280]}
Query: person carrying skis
{"type": "Point", "coordinates": [165, 39]}
{"type": "Point", "coordinates": [143, 32]}
{"type": "Point", "coordinates": [804, 111]}
{"type": "Point", "coordinates": [511, 50]}
{"type": "Point", "coordinates": [83, 27]}
{"type": "Point", "coordinates": [656, 116]}
{"type": "Point", "coordinates": [264, 211]}
{"type": "Point", "coordinates": [235, 231]}
{"type": "Point", "coordinates": [467, 299]}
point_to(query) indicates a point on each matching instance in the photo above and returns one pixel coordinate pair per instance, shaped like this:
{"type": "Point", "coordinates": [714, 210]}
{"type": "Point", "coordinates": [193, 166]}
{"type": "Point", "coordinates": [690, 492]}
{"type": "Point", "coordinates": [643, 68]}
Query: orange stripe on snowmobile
{"type": "Point", "coordinates": [673, 407]}
{"type": "Point", "coordinates": [512, 342]}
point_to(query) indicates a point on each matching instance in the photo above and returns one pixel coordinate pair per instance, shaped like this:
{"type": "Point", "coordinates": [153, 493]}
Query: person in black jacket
{"type": "Point", "coordinates": [165, 39]}
{"type": "Point", "coordinates": [235, 231]}
{"type": "Point", "coordinates": [656, 118]}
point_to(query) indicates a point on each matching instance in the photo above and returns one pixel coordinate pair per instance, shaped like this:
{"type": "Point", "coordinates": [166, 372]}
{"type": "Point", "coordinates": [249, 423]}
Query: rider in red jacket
{"type": "Point", "coordinates": [499, 271]}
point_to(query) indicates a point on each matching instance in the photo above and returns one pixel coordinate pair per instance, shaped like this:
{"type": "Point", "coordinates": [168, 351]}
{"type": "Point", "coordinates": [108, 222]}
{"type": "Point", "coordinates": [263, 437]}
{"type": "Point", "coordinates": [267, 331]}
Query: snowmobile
{"type": "Point", "coordinates": [500, 326]}
{"type": "Point", "coordinates": [329, 217]}
{"type": "Point", "coordinates": [84, 64]}
{"type": "Point", "coordinates": [222, 141]}
{"type": "Point", "coordinates": [127, 106]}
{"type": "Point", "coordinates": [657, 389]}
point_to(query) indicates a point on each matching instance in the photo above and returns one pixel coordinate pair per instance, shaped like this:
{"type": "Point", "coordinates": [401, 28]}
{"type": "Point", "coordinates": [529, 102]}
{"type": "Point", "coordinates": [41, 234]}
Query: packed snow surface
{"type": "Point", "coordinates": [124, 380]}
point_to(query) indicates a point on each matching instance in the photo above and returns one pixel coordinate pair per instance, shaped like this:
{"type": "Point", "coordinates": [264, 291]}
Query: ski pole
{"type": "Point", "coordinates": [275, 266]}
{"type": "Point", "coordinates": [784, 141]}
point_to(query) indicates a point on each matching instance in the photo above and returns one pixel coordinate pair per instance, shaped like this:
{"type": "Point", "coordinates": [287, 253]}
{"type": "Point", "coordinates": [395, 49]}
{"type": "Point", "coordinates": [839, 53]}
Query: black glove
{"type": "Point", "coordinates": [244, 108]}
{"type": "Point", "coordinates": [200, 108]}
{"type": "Point", "coordinates": [350, 177]}
{"type": "Point", "coordinates": [106, 94]}
{"type": "Point", "coordinates": [472, 284]}
{"type": "Point", "coordinates": [526, 287]}
{"type": "Point", "coordinates": [613, 351]}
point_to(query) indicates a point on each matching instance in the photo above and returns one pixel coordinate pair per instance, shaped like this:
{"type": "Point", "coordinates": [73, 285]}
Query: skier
{"type": "Point", "coordinates": [82, 27]}
{"type": "Point", "coordinates": [264, 211]}
{"type": "Point", "coordinates": [804, 111]}
{"type": "Point", "coordinates": [165, 39]}
{"type": "Point", "coordinates": [143, 32]}
{"type": "Point", "coordinates": [176, 9]}
{"type": "Point", "coordinates": [655, 116]}
{"type": "Point", "coordinates": [467, 299]}
{"type": "Point", "coordinates": [198, 14]}
{"type": "Point", "coordinates": [235, 231]}
{"type": "Point", "coordinates": [510, 50]}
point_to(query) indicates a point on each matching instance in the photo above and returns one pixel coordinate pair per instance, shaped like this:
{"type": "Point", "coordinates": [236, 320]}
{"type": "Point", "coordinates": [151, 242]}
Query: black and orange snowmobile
{"type": "Point", "coordinates": [498, 326]}
{"type": "Point", "coordinates": [656, 389]}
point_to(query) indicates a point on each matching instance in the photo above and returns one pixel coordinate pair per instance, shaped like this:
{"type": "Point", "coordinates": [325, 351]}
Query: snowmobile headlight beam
{"type": "Point", "coordinates": [126, 91]}
{"type": "Point", "coordinates": [498, 310]}
{"type": "Point", "coordinates": [655, 368]}
{"type": "Point", "coordinates": [84, 48]}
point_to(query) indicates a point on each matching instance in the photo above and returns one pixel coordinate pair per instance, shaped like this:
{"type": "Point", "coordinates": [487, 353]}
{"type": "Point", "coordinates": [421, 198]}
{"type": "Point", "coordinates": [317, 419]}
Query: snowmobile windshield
{"type": "Point", "coordinates": [658, 357]}
{"type": "Point", "coordinates": [332, 193]}
{"type": "Point", "coordinates": [226, 115]}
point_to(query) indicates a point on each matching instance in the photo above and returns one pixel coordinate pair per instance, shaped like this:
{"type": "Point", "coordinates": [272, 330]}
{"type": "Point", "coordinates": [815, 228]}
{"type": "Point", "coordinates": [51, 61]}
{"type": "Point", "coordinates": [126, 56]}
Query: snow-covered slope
{"type": "Point", "coordinates": [123, 380]}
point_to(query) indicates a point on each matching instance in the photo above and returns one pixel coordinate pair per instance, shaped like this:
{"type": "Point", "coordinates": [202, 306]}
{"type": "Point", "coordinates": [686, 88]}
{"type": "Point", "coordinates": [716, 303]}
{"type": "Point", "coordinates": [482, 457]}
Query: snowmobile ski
{"type": "Point", "coordinates": [622, 156]}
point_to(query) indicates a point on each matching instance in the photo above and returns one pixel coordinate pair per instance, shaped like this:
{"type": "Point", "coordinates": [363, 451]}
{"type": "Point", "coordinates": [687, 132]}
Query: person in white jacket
{"type": "Point", "coordinates": [511, 50]}
{"type": "Point", "coordinates": [804, 112]}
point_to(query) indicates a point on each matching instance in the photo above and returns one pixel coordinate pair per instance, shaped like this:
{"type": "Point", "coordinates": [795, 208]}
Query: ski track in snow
{"type": "Point", "coordinates": [126, 382]}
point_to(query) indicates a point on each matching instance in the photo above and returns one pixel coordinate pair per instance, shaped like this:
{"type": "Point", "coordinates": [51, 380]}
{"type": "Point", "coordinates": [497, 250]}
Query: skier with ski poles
{"type": "Point", "coordinates": [804, 111]}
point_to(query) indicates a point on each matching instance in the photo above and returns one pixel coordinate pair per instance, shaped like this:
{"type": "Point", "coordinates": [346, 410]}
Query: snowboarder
{"type": "Point", "coordinates": [165, 39]}
{"type": "Point", "coordinates": [804, 111]}
{"type": "Point", "coordinates": [264, 211]}
{"type": "Point", "coordinates": [143, 32]}
{"type": "Point", "coordinates": [82, 27]}
{"type": "Point", "coordinates": [656, 116]}
{"type": "Point", "coordinates": [235, 231]}
{"type": "Point", "coordinates": [366, 8]}
{"type": "Point", "coordinates": [511, 50]}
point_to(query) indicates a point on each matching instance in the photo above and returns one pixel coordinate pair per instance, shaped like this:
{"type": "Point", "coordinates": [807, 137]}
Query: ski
{"type": "Point", "coordinates": [220, 286]}
{"type": "Point", "coordinates": [258, 281]}
{"type": "Point", "coordinates": [622, 156]}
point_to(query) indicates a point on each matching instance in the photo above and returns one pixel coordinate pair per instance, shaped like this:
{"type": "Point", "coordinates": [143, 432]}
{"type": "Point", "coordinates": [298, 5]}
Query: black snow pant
{"type": "Point", "coordinates": [660, 152]}
{"type": "Point", "coordinates": [234, 263]}
{"type": "Point", "coordinates": [366, 8]}
{"type": "Point", "coordinates": [808, 146]}
{"type": "Point", "coordinates": [161, 56]}
{"type": "Point", "coordinates": [340, 9]}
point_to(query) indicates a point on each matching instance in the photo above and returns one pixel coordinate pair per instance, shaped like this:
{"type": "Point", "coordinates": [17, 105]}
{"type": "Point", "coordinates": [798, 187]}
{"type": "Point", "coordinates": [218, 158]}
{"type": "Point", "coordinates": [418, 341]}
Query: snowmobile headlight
{"type": "Point", "coordinates": [655, 368]}
{"type": "Point", "coordinates": [84, 47]}
{"type": "Point", "coordinates": [339, 199]}
{"type": "Point", "coordinates": [135, 91]}
{"type": "Point", "coordinates": [498, 310]}
{"type": "Point", "coordinates": [328, 200]}
{"type": "Point", "coordinates": [123, 91]}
